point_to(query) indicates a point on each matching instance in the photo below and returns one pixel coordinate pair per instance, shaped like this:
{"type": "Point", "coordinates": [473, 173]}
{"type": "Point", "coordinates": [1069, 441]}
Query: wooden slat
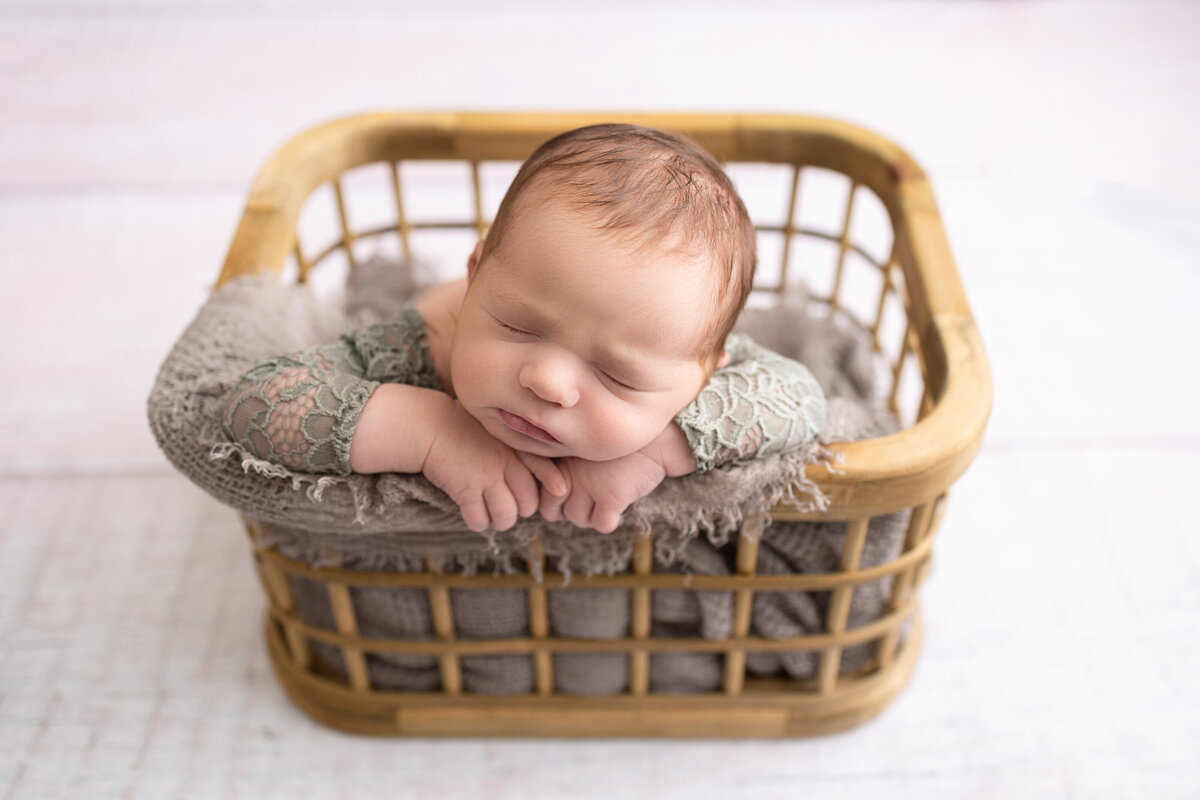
{"type": "Point", "coordinates": [789, 228]}
{"type": "Point", "coordinates": [347, 235]}
{"type": "Point", "coordinates": [839, 604]}
{"type": "Point", "coordinates": [344, 621]}
{"type": "Point", "coordinates": [843, 246]}
{"type": "Point", "coordinates": [898, 367]}
{"type": "Point", "coordinates": [402, 225]}
{"type": "Point", "coordinates": [915, 540]}
{"type": "Point", "coordinates": [279, 593]}
{"type": "Point", "coordinates": [743, 605]}
{"type": "Point", "coordinates": [639, 660]}
{"type": "Point", "coordinates": [655, 580]}
{"type": "Point", "coordinates": [884, 290]}
{"type": "Point", "coordinates": [443, 628]}
{"type": "Point", "coordinates": [527, 645]}
{"type": "Point", "coordinates": [477, 197]}
{"type": "Point", "coordinates": [303, 267]}
{"type": "Point", "coordinates": [539, 622]}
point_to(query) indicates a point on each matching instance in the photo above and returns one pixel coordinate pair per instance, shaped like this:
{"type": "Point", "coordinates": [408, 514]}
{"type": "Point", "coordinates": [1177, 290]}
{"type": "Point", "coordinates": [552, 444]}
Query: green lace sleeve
{"type": "Point", "coordinates": [300, 410]}
{"type": "Point", "coordinates": [758, 404]}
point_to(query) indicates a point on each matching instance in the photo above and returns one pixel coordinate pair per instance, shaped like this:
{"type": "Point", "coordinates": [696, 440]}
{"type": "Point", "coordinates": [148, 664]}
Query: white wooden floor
{"type": "Point", "coordinates": [1063, 613]}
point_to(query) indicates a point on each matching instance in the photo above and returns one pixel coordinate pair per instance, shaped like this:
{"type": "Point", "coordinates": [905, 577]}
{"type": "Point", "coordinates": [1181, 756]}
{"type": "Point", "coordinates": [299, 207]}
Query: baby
{"type": "Point", "coordinates": [585, 357]}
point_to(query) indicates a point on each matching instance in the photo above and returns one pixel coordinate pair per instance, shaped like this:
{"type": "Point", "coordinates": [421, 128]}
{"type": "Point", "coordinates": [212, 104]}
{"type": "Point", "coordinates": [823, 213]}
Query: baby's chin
{"type": "Point", "coordinates": [549, 450]}
{"type": "Point", "coordinates": [563, 451]}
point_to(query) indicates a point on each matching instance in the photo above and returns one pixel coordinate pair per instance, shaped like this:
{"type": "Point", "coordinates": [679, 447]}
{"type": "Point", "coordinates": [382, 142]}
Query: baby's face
{"type": "Point", "coordinates": [570, 343]}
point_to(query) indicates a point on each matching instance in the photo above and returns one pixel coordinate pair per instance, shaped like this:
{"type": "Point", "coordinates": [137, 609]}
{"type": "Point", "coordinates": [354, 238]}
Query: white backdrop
{"type": "Point", "coordinates": [1060, 137]}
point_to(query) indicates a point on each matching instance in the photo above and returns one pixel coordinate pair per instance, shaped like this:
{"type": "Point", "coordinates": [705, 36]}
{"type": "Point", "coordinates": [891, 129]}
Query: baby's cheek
{"type": "Point", "coordinates": [472, 365]}
{"type": "Point", "coordinates": [639, 428]}
{"type": "Point", "coordinates": [602, 429]}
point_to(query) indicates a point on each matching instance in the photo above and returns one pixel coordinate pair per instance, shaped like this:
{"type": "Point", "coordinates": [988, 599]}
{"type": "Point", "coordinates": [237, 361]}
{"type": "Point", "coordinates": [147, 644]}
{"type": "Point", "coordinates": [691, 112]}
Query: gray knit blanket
{"type": "Point", "coordinates": [403, 522]}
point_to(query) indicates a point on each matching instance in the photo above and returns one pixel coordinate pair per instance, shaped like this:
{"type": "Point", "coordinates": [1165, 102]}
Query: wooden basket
{"type": "Point", "coordinates": [915, 309]}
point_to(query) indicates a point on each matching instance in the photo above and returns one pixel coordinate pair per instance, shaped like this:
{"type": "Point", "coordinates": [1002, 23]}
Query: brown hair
{"type": "Point", "coordinates": [649, 184]}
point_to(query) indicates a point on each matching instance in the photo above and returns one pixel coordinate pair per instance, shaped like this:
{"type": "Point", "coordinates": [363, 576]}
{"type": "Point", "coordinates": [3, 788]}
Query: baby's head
{"type": "Point", "coordinates": [599, 302]}
{"type": "Point", "coordinates": [654, 193]}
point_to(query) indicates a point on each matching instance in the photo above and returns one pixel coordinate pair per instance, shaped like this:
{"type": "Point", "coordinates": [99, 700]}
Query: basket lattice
{"type": "Point", "coordinates": [845, 211]}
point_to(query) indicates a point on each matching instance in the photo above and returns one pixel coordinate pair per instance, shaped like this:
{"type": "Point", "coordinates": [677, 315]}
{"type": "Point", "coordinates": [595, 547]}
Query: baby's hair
{"type": "Point", "coordinates": [650, 186]}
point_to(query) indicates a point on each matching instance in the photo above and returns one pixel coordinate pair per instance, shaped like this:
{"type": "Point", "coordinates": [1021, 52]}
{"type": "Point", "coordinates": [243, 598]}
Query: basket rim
{"type": "Point", "coordinates": [874, 476]}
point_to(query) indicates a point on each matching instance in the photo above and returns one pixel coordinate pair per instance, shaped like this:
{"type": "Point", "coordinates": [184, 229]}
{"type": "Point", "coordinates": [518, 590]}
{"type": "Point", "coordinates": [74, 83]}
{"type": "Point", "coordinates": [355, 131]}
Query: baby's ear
{"type": "Point", "coordinates": [473, 259]}
{"type": "Point", "coordinates": [723, 359]}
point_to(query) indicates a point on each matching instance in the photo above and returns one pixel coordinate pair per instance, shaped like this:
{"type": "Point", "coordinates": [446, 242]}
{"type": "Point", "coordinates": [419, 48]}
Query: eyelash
{"type": "Point", "coordinates": [621, 384]}
{"type": "Point", "coordinates": [511, 329]}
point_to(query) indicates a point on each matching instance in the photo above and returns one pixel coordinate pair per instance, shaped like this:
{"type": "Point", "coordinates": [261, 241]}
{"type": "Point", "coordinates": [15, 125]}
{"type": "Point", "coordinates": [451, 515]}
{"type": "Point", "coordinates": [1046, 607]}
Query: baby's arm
{"type": "Point", "coordinates": [760, 403]}
{"type": "Point", "coordinates": [372, 402]}
{"type": "Point", "coordinates": [301, 410]}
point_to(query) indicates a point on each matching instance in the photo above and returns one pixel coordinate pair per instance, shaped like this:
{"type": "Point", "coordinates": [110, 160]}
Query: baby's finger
{"type": "Point", "coordinates": [546, 471]}
{"type": "Point", "coordinates": [551, 506]}
{"type": "Point", "coordinates": [605, 518]}
{"type": "Point", "coordinates": [523, 487]}
{"type": "Point", "coordinates": [578, 509]}
{"type": "Point", "coordinates": [474, 513]}
{"type": "Point", "coordinates": [501, 506]}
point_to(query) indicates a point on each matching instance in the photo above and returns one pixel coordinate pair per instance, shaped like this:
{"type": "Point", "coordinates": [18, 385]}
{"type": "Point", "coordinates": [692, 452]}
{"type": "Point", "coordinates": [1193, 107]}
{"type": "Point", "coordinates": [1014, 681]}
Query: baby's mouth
{"type": "Point", "coordinates": [522, 425]}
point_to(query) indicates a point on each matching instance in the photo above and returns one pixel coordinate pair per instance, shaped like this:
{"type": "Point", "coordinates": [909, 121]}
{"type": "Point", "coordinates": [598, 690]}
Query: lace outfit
{"type": "Point", "coordinates": [300, 410]}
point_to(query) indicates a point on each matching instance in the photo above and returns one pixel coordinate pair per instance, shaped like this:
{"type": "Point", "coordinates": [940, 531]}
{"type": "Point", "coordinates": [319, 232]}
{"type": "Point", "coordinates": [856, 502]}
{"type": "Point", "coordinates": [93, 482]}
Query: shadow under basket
{"type": "Point", "coordinates": [811, 186]}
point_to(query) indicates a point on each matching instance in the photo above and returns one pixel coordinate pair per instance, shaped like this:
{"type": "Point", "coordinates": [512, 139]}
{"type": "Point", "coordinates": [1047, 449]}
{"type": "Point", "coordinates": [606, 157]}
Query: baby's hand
{"type": "Point", "coordinates": [600, 491]}
{"type": "Point", "coordinates": [490, 483]}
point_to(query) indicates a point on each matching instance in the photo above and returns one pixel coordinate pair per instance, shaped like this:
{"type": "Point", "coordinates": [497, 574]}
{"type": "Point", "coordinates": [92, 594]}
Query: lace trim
{"type": "Point", "coordinates": [760, 403]}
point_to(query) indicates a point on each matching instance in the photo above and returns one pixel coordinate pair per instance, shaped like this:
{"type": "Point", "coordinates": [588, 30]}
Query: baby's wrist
{"type": "Point", "coordinates": [397, 429]}
{"type": "Point", "coordinates": [671, 451]}
{"type": "Point", "coordinates": [443, 417]}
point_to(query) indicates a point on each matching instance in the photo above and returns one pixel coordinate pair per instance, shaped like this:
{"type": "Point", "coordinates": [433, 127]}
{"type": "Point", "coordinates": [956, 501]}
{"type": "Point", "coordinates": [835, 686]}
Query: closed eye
{"type": "Point", "coordinates": [619, 383]}
{"type": "Point", "coordinates": [510, 328]}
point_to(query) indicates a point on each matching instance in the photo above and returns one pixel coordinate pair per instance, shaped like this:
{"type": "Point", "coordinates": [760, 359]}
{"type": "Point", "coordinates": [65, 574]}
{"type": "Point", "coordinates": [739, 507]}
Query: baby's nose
{"type": "Point", "coordinates": [552, 379]}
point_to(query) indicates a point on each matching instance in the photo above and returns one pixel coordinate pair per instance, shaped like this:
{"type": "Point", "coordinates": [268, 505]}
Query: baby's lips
{"type": "Point", "coordinates": [526, 427]}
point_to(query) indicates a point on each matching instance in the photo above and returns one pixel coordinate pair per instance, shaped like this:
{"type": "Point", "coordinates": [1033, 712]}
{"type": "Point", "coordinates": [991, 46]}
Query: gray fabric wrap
{"type": "Point", "coordinates": [402, 522]}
